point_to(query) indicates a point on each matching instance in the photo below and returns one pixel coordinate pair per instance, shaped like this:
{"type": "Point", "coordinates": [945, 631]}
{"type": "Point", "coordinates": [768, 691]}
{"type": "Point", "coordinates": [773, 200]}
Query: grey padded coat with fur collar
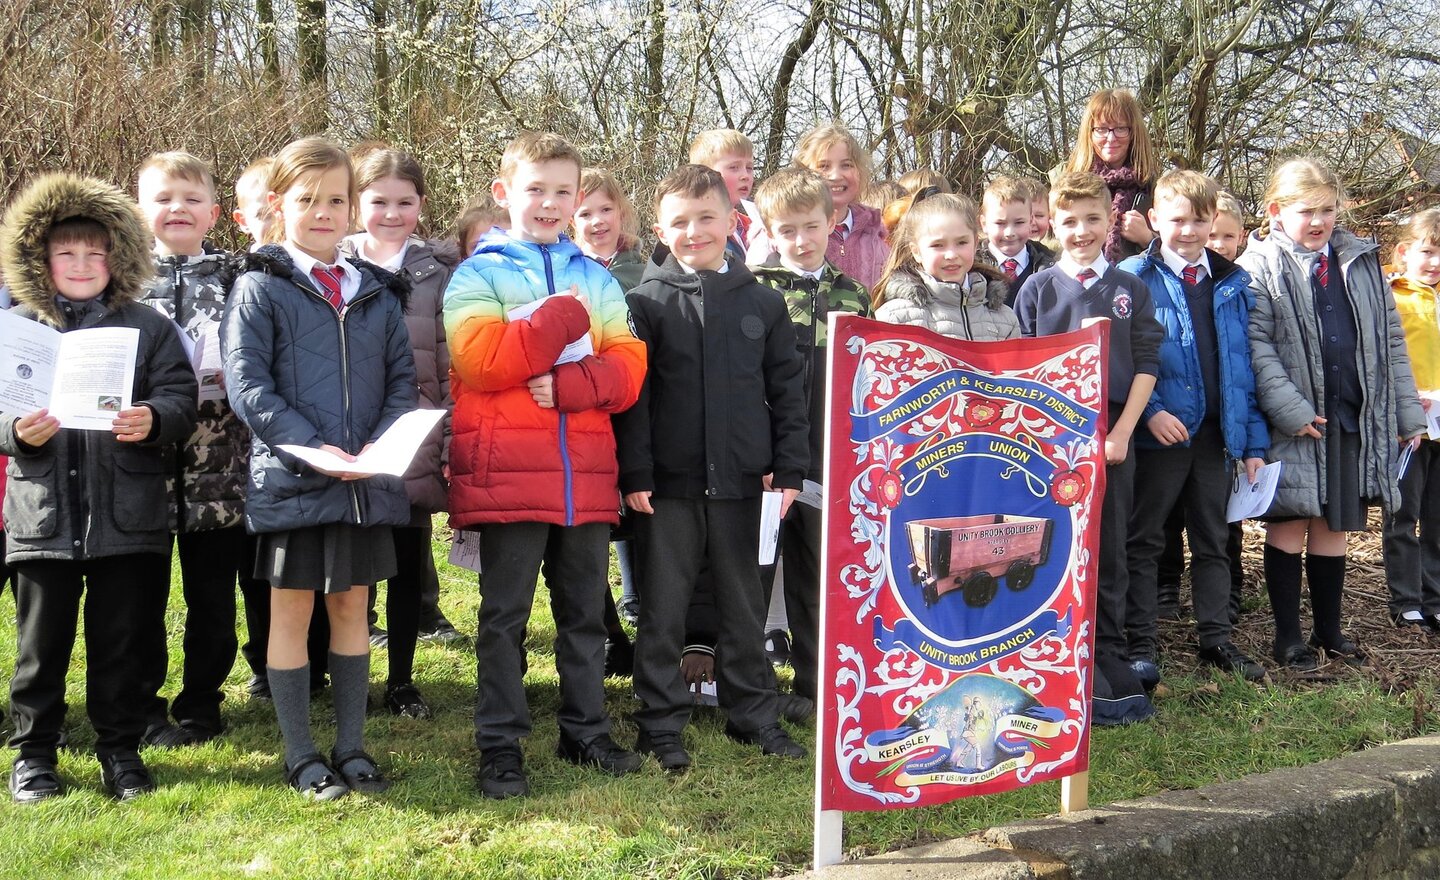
{"type": "Point", "coordinates": [978, 313]}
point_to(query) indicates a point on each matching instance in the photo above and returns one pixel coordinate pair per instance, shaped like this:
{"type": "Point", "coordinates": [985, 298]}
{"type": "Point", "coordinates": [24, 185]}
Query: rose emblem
{"type": "Point", "coordinates": [1068, 487]}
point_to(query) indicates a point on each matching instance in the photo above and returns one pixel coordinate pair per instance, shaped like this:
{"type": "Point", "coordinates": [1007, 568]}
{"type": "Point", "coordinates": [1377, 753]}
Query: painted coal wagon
{"type": "Point", "coordinates": [971, 553]}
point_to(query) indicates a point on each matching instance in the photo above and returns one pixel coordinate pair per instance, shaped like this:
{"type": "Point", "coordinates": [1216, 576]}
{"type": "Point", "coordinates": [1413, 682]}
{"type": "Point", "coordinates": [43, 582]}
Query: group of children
{"type": "Point", "coordinates": [583, 376]}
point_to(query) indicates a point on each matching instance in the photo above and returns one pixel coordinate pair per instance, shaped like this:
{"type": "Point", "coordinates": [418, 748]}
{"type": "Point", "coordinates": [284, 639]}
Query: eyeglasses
{"type": "Point", "coordinates": [1119, 132]}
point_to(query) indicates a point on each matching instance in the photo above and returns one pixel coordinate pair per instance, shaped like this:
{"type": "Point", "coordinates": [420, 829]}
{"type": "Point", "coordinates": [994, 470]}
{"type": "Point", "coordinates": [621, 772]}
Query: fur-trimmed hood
{"type": "Point", "coordinates": [24, 255]}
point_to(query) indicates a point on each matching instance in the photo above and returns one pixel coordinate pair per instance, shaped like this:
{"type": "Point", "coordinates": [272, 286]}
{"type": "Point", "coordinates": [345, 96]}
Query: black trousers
{"type": "Point", "coordinates": [415, 568]}
{"type": "Point", "coordinates": [1412, 536]}
{"type": "Point", "coordinates": [210, 564]}
{"type": "Point", "coordinates": [124, 600]}
{"type": "Point", "coordinates": [682, 538]}
{"type": "Point", "coordinates": [1113, 581]}
{"type": "Point", "coordinates": [575, 561]}
{"type": "Point", "coordinates": [1172, 561]}
{"type": "Point", "coordinates": [256, 594]}
{"type": "Point", "coordinates": [1198, 479]}
{"type": "Point", "coordinates": [801, 538]}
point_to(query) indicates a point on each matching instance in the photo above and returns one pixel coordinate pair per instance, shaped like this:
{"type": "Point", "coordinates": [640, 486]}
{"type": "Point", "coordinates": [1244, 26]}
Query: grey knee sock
{"type": "Point", "coordinates": [290, 690]}
{"type": "Point", "coordinates": [349, 686]}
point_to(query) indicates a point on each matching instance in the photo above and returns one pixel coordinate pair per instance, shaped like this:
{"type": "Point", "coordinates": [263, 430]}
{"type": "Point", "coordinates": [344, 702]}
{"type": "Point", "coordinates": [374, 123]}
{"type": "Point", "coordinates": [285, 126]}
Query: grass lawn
{"type": "Point", "coordinates": [223, 810]}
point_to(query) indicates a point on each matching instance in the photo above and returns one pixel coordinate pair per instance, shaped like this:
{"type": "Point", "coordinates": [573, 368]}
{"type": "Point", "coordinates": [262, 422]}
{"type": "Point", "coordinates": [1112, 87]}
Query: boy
{"type": "Point", "coordinates": [721, 417]}
{"type": "Point", "coordinates": [1081, 285]}
{"type": "Point", "coordinates": [1038, 195]}
{"type": "Point", "coordinates": [85, 509]}
{"type": "Point", "coordinates": [796, 209]}
{"type": "Point", "coordinates": [531, 461]}
{"type": "Point", "coordinates": [731, 153]}
{"type": "Point", "coordinates": [1227, 233]}
{"type": "Point", "coordinates": [1200, 416]}
{"type": "Point", "coordinates": [1006, 221]}
{"type": "Point", "coordinates": [208, 472]}
{"type": "Point", "coordinates": [251, 213]}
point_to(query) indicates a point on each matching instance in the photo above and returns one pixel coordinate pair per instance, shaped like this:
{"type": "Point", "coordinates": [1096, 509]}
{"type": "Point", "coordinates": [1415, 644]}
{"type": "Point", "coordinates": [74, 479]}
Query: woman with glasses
{"type": "Point", "coordinates": [1114, 144]}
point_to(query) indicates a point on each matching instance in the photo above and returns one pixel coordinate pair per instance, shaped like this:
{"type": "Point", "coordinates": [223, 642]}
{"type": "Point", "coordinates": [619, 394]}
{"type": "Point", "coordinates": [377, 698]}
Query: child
{"type": "Point", "coordinates": [881, 193]}
{"type": "Point", "coordinates": [856, 246]}
{"type": "Point", "coordinates": [392, 197]}
{"type": "Point", "coordinates": [1227, 233]}
{"type": "Point", "coordinates": [478, 218]}
{"type": "Point", "coordinates": [1006, 220]}
{"type": "Point", "coordinates": [533, 463]}
{"type": "Point", "coordinates": [721, 416]}
{"type": "Point", "coordinates": [1083, 285]}
{"type": "Point", "coordinates": [85, 511]}
{"type": "Point", "coordinates": [251, 212]}
{"type": "Point", "coordinates": [1038, 195]}
{"type": "Point", "coordinates": [1412, 562]}
{"type": "Point", "coordinates": [795, 207]}
{"type": "Point", "coordinates": [606, 227]}
{"type": "Point", "coordinates": [208, 471]}
{"type": "Point", "coordinates": [316, 354]}
{"type": "Point", "coordinates": [730, 153]}
{"type": "Point", "coordinates": [1333, 378]}
{"type": "Point", "coordinates": [931, 279]}
{"type": "Point", "coordinates": [1201, 416]}
{"type": "Point", "coordinates": [914, 181]}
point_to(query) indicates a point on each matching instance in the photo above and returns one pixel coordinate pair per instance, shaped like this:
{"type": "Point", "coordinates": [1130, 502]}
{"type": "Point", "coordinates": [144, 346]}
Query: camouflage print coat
{"type": "Point", "coordinates": [209, 471]}
{"type": "Point", "coordinates": [809, 301]}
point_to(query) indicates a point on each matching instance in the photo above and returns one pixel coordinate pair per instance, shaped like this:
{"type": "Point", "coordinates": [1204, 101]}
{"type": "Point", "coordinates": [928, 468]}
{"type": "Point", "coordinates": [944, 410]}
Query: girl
{"type": "Point", "coordinates": [1412, 563]}
{"type": "Point", "coordinates": [392, 195]}
{"type": "Point", "coordinates": [606, 227]}
{"type": "Point", "coordinates": [931, 278]}
{"type": "Point", "coordinates": [316, 354]}
{"type": "Point", "coordinates": [1333, 378]}
{"type": "Point", "coordinates": [478, 218]}
{"type": "Point", "coordinates": [1114, 143]}
{"type": "Point", "coordinates": [857, 245]}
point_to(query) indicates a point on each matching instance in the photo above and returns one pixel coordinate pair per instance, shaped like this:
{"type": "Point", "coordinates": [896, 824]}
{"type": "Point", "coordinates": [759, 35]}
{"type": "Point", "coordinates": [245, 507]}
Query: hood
{"type": "Point", "coordinates": [272, 259]}
{"type": "Point", "coordinates": [987, 288]}
{"type": "Point", "coordinates": [670, 272]}
{"type": "Point", "coordinates": [24, 257]}
{"type": "Point", "coordinates": [499, 241]}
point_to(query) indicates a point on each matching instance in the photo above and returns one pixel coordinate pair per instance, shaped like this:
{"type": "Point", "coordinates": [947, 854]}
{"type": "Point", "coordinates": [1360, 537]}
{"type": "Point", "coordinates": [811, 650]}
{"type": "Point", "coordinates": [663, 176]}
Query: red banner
{"type": "Point", "coordinates": [962, 484]}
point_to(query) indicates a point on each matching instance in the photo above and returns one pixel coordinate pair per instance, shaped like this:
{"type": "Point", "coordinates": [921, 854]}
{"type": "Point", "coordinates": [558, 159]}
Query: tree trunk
{"type": "Point", "coordinates": [654, 78]}
{"type": "Point", "coordinates": [269, 45]}
{"type": "Point", "coordinates": [780, 91]}
{"type": "Point", "coordinates": [310, 25]}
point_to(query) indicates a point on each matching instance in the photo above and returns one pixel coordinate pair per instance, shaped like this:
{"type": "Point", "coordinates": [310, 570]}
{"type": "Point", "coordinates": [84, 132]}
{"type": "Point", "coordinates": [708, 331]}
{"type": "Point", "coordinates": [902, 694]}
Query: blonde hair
{"type": "Point", "coordinates": [536, 147]}
{"type": "Point", "coordinates": [1200, 191]}
{"type": "Point", "coordinates": [817, 141]}
{"type": "Point", "coordinates": [178, 163]}
{"type": "Point", "coordinates": [709, 146]}
{"type": "Point", "coordinates": [1423, 228]}
{"type": "Point", "coordinates": [791, 191]}
{"type": "Point", "coordinates": [1118, 107]}
{"type": "Point", "coordinates": [880, 193]}
{"type": "Point", "coordinates": [914, 181]}
{"type": "Point", "coordinates": [593, 180]}
{"type": "Point", "coordinates": [906, 233]}
{"type": "Point", "coordinates": [482, 210]}
{"type": "Point", "coordinates": [1003, 190]}
{"type": "Point", "coordinates": [311, 155]}
{"type": "Point", "coordinates": [1077, 186]}
{"type": "Point", "coordinates": [1303, 180]}
{"type": "Point", "coordinates": [1227, 204]}
{"type": "Point", "coordinates": [254, 179]}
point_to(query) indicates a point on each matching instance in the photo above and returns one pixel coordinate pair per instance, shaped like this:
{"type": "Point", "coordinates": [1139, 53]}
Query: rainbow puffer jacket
{"type": "Point", "coordinates": [510, 459]}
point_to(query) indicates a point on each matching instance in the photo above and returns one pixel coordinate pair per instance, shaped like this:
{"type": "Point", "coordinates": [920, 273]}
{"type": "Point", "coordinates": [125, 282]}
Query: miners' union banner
{"type": "Point", "coordinates": [963, 486]}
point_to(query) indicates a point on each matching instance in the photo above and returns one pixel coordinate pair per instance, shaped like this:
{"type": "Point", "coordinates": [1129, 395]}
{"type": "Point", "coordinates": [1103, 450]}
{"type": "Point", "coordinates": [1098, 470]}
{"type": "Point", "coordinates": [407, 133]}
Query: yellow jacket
{"type": "Point", "coordinates": [1415, 302]}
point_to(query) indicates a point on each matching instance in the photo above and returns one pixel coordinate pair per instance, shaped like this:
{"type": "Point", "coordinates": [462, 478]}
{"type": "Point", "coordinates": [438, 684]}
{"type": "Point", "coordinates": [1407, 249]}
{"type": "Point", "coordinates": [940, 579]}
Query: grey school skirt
{"type": "Point", "coordinates": [1345, 507]}
{"type": "Point", "coordinates": [327, 559]}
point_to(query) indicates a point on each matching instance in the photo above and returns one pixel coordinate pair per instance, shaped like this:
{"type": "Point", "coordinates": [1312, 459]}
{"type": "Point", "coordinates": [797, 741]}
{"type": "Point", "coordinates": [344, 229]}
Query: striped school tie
{"type": "Point", "coordinates": [328, 278]}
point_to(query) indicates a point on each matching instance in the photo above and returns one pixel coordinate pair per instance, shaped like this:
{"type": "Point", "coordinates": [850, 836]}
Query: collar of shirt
{"type": "Point", "coordinates": [361, 242]}
{"type": "Point", "coordinates": [1178, 263]}
{"type": "Point", "coordinates": [604, 261]}
{"type": "Point", "coordinates": [848, 222]}
{"type": "Point", "coordinates": [724, 267]}
{"type": "Point", "coordinates": [349, 275]}
{"type": "Point", "coordinates": [1022, 259]}
{"type": "Point", "coordinates": [805, 272]}
{"type": "Point", "coordinates": [1068, 265]}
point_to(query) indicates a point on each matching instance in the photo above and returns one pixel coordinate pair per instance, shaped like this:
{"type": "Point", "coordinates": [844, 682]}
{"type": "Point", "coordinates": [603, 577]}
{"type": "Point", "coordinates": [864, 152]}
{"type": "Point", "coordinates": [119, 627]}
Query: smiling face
{"type": "Point", "coordinates": [1309, 223]}
{"type": "Point", "coordinates": [390, 210]}
{"type": "Point", "coordinates": [180, 211]}
{"type": "Point", "coordinates": [597, 225]}
{"type": "Point", "coordinates": [944, 247]}
{"type": "Point", "coordinates": [1421, 260]}
{"type": "Point", "coordinates": [695, 228]}
{"type": "Point", "coordinates": [1111, 140]}
{"type": "Point", "coordinates": [80, 270]}
{"type": "Point", "coordinates": [738, 170]}
{"type": "Point", "coordinates": [1081, 228]}
{"type": "Point", "coordinates": [315, 211]}
{"type": "Point", "coordinates": [1226, 233]}
{"type": "Point", "coordinates": [540, 197]}
{"type": "Point", "coordinates": [1006, 225]}
{"type": "Point", "coordinates": [1180, 228]}
{"type": "Point", "coordinates": [841, 174]}
{"type": "Point", "coordinates": [800, 237]}
{"type": "Point", "coordinates": [1039, 219]}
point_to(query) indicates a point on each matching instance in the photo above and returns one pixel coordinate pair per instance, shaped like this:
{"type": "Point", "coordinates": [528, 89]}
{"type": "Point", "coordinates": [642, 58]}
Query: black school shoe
{"type": "Point", "coordinates": [599, 751]}
{"type": "Point", "coordinates": [777, 647]}
{"type": "Point", "coordinates": [164, 735]}
{"type": "Point", "coordinates": [772, 740]}
{"type": "Point", "coordinates": [795, 708]}
{"type": "Point", "coordinates": [35, 779]}
{"type": "Point", "coordinates": [404, 699]}
{"type": "Point", "coordinates": [324, 787]}
{"type": "Point", "coordinates": [125, 775]}
{"type": "Point", "coordinates": [1345, 651]}
{"type": "Point", "coordinates": [502, 773]}
{"type": "Point", "coordinates": [443, 632]}
{"type": "Point", "coordinates": [359, 771]}
{"type": "Point", "coordinates": [1296, 658]}
{"type": "Point", "coordinates": [667, 748]}
{"type": "Point", "coordinates": [1228, 658]}
{"type": "Point", "coordinates": [619, 657]}
{"type": "Point", "coordinates": [258, 687]}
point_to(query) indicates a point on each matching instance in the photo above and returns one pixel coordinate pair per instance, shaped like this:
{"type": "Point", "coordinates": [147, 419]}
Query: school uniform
{"type": "Point", "coordinates": [1032, 258]}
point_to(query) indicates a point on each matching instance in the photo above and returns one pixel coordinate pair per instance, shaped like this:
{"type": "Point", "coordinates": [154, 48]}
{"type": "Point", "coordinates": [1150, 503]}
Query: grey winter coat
{"type": "Point", "coordinates": [978, 313]}
{"type": "Point", "coordinates": [298, 373]}
{"type": "Point", "coordinates": [427, 267]}
{"type": "Point", "coordinates": [1289, 376]}
{"type": "Point", "coordinates": [208, 475]}
{"type": "Point", "coordinates": [85, 494]}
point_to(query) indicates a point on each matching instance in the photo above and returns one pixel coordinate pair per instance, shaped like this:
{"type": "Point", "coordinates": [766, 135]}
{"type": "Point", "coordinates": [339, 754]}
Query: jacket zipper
{"type": "Point", "coordinates": [564, 445]}
{"type": "Point", "coordinates": [178, 282]}
{"type": "Point", "coordinates": [344, 380]}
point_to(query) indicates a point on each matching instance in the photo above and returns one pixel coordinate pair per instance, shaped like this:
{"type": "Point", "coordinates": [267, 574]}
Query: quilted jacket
{"type": "Point", "coordinates": [299, 374]}
{"type": "Point", "coordinates": [510, 459]}
{"type": "Point", "coordinates": [978, 312]}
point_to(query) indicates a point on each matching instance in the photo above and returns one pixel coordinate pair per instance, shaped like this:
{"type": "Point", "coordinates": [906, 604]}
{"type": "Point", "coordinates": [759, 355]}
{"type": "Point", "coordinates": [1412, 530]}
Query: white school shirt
{"type": "Point", "coordinates": [1022, 259]}
{"type": "Point", "coordinates": [349, 275]}
{"type": "Point", "coordinates": [1073, 269]}
{"type": "Point", "coordinates": [1178, 264]}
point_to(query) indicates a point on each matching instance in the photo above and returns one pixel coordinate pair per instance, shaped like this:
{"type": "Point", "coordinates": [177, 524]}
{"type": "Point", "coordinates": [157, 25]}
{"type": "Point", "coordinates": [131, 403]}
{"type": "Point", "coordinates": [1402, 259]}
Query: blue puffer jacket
{"type": "Point", "coordinates": [1180, 389]}
{"type": "Point", "coordinates": [297, 373]}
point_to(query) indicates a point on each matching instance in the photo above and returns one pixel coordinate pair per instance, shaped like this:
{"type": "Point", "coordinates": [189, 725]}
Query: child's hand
{"type": "Point", "coordinates": [1167, 429]}
{"type": "Point", "coordinates": [575, 292]}
{"type": "Point", "coordinates": [133, 425]}
{"type": "Point", "coordinates": [1312, 429]}
{"type": "Point", "coordinates": [1134, 228]}
{"type": "Point", "coordinates": [1117, 446]}
{"type": "Point", "coordinates": [1252, 468]}
{"type": "Point", "coordinates": [36, 429]}
{"type": "Point", "coordinates": [1425, 403]}
{"type": "Point", "coordinates": [639, 502]}
{"type": "Point", "coordinates": [787, 498]}
{"type": "Point", "coordinates": [697, 667]}
{"type": "Point", "coordinates": [340, 453]}
{"type": "Point", "coordinates": [542, 389]}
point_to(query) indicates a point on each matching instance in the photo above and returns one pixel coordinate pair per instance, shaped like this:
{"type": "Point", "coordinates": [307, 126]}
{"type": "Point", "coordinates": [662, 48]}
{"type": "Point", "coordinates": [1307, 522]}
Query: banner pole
{"type": "Point", "coordinates": [1075, 793]}
{"type": "Point", "coordinates": [829, 824]}
{"type": "Point", "coordinates": [829, 832]}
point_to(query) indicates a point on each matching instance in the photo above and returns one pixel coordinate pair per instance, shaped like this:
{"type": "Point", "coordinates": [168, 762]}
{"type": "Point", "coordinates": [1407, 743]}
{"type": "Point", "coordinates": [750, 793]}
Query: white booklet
{"type": "Point", "coordinates": [391, 454]}
{"type": "Point", "coordinates": [577, 350]}
{"type": "Point", "coordinates": [204, 354]}
{"type": "Point", "coordinates": [465, 549]}
{"type": "Point", "coordinates": [83, 377]}
{"type": "Point", "coordinates": [1247, 499]}
{"type": "Point", "coordinates": [769, 525]}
